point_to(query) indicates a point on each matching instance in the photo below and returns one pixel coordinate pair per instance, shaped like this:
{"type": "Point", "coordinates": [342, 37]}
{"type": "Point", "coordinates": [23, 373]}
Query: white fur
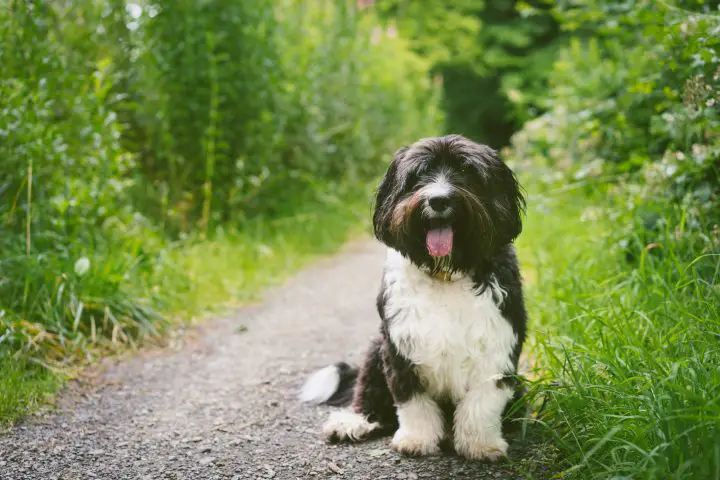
{"type": "Point", "coordinates": [421, 427]}
{"type": "Point", "coordinates": [478, 428]}
{"type": "Point", "coordinates": [321, 385]}
{"type": "Point", "coordinates": [460, 343]}
{"type": "Point", "coordinates": [348, 425]}
{"type": "Point", "coordinates": [439, 187]}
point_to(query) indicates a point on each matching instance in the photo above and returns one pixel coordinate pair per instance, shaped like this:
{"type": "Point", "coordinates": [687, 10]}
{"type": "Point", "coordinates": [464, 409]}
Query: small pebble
{"type": "Point", "coordinates": [269, 472]}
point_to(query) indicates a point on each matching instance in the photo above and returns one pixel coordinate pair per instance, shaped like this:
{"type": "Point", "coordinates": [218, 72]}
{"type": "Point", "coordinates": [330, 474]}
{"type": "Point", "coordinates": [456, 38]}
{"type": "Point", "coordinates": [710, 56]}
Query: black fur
{"type": "Point", "coordinates": [344, 393]}
{"type": "Point", "coordinates": [486, 217]}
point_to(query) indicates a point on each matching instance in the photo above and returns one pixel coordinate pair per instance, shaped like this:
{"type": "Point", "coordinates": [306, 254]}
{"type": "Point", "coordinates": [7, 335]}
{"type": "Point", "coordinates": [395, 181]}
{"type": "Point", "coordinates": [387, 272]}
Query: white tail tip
{"type": "Point", "coordinates": [321, 385]}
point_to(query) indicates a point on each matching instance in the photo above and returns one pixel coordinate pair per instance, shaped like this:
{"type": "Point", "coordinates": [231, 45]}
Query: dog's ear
{"type": "Point", "coordinates": [509, 201]}
{"type": "Point", "coordinates": [386, 197]}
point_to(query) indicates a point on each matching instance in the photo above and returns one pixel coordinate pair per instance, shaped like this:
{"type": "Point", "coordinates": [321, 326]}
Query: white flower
{"type": "Point", "coordinates": [82, 266]}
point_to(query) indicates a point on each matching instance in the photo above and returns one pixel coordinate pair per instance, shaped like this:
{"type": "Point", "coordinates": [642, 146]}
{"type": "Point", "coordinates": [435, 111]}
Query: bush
{"type": "Point", "coordinates": [126, 123]}
{"type": "Point", "coordinates": [492, 58]}
{"type": "Point", "coordinates": [634, 97]}
{"type": "Point", "coordinates": [65, 191]}
{"type": "Point", "coordinates": [636, 90]}
{"type": "Point", "coordinates": [306, 94]}
{"type": "Point", "coordinates": [632, 117]}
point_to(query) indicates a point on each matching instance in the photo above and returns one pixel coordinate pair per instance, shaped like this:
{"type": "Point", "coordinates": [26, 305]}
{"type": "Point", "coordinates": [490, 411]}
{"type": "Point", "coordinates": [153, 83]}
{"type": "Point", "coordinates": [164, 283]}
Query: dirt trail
{"type": "Point", "coordinates": [224, 406]}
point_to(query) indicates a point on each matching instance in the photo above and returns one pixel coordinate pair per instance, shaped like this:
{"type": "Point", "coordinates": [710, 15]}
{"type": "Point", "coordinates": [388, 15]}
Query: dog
{"type": "Point", "coordinates": [443, 366]}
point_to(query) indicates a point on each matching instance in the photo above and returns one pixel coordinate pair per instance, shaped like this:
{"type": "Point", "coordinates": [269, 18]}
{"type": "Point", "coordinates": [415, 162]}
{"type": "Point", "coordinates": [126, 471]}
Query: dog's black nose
{"type": "Point", "coordinates": [439, 203]}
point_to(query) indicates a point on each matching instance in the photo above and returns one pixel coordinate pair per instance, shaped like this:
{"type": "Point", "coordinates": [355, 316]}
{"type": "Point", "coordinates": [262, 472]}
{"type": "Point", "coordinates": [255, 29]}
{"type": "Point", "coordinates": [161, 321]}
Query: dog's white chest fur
{"type": "Point", "coordinates": [457, 339]}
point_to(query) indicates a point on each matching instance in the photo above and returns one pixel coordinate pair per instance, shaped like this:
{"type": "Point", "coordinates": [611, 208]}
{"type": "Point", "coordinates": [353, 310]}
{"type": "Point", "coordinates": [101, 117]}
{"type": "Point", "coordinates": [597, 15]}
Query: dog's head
{"type": "Point", "coordinates": [448, 203]}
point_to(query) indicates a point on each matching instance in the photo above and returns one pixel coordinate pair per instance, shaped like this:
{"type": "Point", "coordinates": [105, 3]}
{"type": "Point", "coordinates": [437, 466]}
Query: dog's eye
{"type": "Point", "coordinates": [411, 179]}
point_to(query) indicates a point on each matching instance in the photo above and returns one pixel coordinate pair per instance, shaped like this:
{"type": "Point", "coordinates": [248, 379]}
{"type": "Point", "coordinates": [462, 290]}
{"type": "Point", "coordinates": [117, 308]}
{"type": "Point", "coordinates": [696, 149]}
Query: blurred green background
{"type": "Point", "coordinates": [159, 160]}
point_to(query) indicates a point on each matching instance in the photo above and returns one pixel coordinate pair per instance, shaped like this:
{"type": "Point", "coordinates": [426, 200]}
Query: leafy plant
{"type": "Point", "coordinates": [132, 132]}
{"type": "Point", "coordinates": [492, 58]}
{"type": "Point", "coordinates": [628, 302]}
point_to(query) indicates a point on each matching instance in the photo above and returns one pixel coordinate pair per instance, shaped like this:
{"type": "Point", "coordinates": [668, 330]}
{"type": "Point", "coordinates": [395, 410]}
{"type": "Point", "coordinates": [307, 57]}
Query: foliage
{"type": "Point", "coordinates": [133, 133]}
{"type": "Point", "coordinates": [626, 294]}
{"type": "Point", "coordinates": [259, 126]}
{"type": "Point", "coordinates": [640, 94]}
{"type": "Point", "coordinates": [65, 188]}
{"type": "Point", "coordinates": [492, 56]}
{"type": "Point", "coordinates": [628, 359]}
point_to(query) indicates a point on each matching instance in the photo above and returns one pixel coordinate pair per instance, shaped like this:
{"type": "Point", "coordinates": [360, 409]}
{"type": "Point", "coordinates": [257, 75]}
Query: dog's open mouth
{"type": "Point", "coordinates": [439, 241]}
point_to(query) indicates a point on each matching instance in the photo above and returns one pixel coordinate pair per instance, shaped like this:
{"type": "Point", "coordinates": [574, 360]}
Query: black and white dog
{"type": "Point", "coordinates": [451, 304]}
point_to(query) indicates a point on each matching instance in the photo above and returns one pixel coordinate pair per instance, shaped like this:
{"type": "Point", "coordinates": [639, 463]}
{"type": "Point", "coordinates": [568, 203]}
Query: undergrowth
{"type": "Point", "coordinates": [625, 330]}
{"type": "Point", "coordinates": [162, 158]}
{"type": "Point", "coordinates": [24, 386]}
{"type": "Point", "coordinates": [191, 279]}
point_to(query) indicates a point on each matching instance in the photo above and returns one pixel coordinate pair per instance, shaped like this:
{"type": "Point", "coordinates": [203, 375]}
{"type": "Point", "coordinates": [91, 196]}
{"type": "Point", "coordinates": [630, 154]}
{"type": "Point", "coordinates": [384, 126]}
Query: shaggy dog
{"type": "Point", "coordinates": [451, 304]}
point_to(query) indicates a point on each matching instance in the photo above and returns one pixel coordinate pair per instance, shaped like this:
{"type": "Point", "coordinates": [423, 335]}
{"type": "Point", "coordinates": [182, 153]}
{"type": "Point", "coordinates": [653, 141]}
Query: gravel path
{"type": "Point", "coordinates": [224, 406]}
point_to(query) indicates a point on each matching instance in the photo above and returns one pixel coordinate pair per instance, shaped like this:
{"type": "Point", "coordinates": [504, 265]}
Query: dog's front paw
{"type": "Point", "coordinates": [414, 444]}
{"type": "Point", "coordinates": [490, 450]}
{"type": "Point", "coordinates": [348, 426]}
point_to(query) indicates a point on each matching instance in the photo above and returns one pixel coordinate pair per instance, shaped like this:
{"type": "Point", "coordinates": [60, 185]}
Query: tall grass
{"type": "Point", "coordinates": [627, 299]}
{"type": "Point", "coordinates": [626, 334]}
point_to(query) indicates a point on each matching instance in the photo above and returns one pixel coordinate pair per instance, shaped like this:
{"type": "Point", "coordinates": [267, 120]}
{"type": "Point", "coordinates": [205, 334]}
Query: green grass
{"type": "Point", "coordinates": [180, 283]}
{"type": "Point", "coordinates": [23, 387]}
{"type": "Point", "coordinates": [236, 267]}
{"type": "Point", "coordinates": [626, 329]}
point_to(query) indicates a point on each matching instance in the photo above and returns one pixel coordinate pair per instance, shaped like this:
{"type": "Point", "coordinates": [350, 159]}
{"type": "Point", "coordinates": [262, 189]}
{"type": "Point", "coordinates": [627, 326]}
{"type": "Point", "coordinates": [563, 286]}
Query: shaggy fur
{"type": "Point", "coordinates": [453, 325]}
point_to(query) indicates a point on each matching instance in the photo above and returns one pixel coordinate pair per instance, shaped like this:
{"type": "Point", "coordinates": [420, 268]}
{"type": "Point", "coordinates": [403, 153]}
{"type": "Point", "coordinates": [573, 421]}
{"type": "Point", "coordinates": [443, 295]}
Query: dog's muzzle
{"type": "Point", "coordinates": [439, 207]}
{"type": "Point", "coordinates": [439, 199]}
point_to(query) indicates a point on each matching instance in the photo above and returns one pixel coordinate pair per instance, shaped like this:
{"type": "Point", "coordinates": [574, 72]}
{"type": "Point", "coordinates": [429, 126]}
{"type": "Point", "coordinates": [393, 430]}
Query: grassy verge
{"type": "Point", "coordinates": [197, 278]}
{"type": "Point", "coordinates": [23, 387]}
{"type": "Point", "coordinates": [236, 267]}
{"type": "Point", "coordinates": [626, 327]}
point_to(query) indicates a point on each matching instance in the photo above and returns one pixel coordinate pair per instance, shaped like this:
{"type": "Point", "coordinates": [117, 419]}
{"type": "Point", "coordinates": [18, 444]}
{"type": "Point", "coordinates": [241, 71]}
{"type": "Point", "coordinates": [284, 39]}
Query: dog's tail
{"type": "Point", "coordinates": [332, 385]}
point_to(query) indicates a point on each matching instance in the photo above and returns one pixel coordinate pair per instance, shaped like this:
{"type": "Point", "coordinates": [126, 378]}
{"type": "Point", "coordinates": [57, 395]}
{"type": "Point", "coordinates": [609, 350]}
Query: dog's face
{"type": "Point", "coordinates": [448, 204]}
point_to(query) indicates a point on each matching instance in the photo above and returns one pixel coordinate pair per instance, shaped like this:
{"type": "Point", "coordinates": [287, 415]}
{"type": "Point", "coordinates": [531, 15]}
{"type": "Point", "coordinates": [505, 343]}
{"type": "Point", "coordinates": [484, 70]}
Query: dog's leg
{"type": "Point", "coordinates": [478, 422]}
{"type": "Point", "coordinates": [421, 426]}
{"type": "Point", "coordinates": [372, 409]}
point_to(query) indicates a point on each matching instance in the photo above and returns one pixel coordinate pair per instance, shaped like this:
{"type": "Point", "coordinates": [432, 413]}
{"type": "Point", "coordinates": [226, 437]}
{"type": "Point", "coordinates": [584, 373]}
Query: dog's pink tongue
{"type": "Point", "coordinates": [439, 242]}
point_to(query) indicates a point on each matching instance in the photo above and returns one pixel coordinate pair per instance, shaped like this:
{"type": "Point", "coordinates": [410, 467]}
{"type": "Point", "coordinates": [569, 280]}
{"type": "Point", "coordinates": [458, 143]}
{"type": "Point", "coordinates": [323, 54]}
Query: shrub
{"type": "Point", "coordinates": [125, 123]}
{"type": "Point", "coordinates": [492, 57]}
{"type": "Point", "coordinates": [64, 192]}
{"type": "Point", "coordinates": [636, 89]}
{"type": "Point", "coordinates": [260, 102]}
{"type": "Point", "coordinates": [631, 329]}
{"type": "Point", "coordinates": [634, 97]}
